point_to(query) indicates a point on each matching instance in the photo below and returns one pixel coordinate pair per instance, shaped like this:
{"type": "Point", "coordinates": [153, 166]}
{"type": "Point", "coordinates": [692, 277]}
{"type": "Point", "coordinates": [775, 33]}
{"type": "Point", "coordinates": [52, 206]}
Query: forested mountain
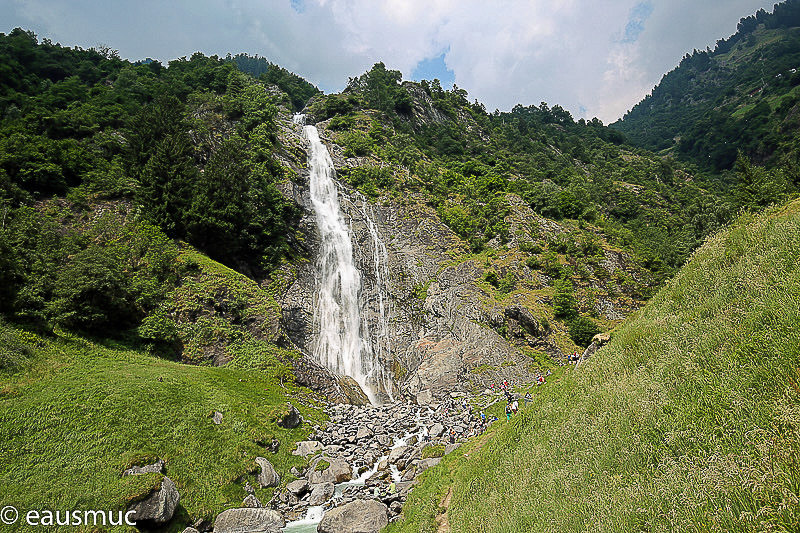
{"type": "Point", "coordinates": [742, 96]}
{"type": "Point", "coordinates": [160, 275]}
{"type": "Point", "coordinates": [465, 160]}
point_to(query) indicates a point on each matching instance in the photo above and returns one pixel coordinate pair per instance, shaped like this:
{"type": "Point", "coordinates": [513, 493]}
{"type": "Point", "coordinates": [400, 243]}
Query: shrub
{"type": "Point", "coordinates": [581, 330]}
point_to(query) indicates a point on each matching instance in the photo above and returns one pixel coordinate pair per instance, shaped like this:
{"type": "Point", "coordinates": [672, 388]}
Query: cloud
{"type": "Point", "coordinates": [592, 58]}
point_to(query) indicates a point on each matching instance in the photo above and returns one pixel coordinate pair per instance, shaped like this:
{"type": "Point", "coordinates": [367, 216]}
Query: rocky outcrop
{"type": "Point", "coordinates": [249, 520]}
{"type": "Point", "coordinates": [360, 516]}
{"type": "Point", "coordinates": [599, 340]}
{"type": "Point", "coordinates": [321, 493]}
{"type": "Point", "coordinates": [158, 506]}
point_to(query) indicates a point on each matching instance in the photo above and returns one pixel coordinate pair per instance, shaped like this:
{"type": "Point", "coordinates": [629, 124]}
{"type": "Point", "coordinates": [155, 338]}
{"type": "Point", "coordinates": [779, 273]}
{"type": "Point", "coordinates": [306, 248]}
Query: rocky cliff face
{"type": "Point", "coordinates": [446, 329]}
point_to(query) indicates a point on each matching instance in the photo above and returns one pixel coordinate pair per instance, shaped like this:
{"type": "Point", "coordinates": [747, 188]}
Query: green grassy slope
{"type": "Point", "coordinates": [687, 421]}
{"type": "Point", "coordinates": [75, 414]}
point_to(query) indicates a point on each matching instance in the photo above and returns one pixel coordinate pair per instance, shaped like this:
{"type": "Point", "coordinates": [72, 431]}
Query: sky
{"type": "Point", "coordinates": [595, 58]}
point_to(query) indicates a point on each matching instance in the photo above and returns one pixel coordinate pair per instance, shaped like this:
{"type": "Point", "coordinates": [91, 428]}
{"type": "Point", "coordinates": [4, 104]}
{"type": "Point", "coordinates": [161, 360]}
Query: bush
{"type": "Point", "coordinates": [581, 330]}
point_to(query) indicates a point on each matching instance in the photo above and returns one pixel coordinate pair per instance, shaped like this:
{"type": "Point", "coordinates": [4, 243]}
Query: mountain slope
{"type": "Point", "coordinates": [688, 420]}
{"type": "Point", "coordinates": [743, 95]}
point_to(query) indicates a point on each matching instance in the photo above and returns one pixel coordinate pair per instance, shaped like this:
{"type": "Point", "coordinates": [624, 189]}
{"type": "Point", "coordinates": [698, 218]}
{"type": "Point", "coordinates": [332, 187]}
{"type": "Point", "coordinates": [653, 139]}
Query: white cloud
{"type": "Point", "coordinates": [604, 56]}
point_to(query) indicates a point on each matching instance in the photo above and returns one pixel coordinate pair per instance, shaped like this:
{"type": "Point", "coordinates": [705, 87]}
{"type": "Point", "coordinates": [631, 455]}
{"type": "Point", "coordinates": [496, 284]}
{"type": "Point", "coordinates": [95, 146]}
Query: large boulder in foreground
{"type": "Point", "coordinates": [158, 506]}
{"type": "Point", "coordinates": [360, 516]}
{"type": "Point", "coordinates": [249, 520]}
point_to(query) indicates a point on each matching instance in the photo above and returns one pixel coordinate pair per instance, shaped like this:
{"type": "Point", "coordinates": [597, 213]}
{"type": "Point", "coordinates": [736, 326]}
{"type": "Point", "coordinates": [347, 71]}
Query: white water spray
{"type": "Point", "coordinates": [343, 341]}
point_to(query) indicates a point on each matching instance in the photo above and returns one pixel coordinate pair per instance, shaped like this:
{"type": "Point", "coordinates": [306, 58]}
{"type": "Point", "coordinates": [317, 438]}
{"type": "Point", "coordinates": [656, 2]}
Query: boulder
{"type": "Point", "coordinates": [298, 488]}
{"type": "Point", "coordinates": [190, 529]}
{"type": "Point", "coordinates": [363, 433]}
{"type": "Point", "coordinates": [307, 447]}
{"type": "Point", "coordinates": [157, 467]}
{"type": "Point", "coordinates": [424, 397]}
{"type": "Point", "coordinates": [397, 453]}
{"type": "Point", "coordinates": [268, 477]}
{"type": "Point", "coordinates": [337, 471]}
{"type": "Point", "coordinates": [436, 430]}
{"type": "Point", "coordinates": [251, 501]}
{"type": "Point", "coordinates": [216, 417]}
{"type": "Point", "coordinates": [291, 419]}
{"type": "Point", "coordinates": [158, 506]}
{"type": "Point", "coordinates": [321, 493]}
{"type": "Point", "coordinates": [359, 516]}
{"type": "Point", "coordinates": [249, 520]}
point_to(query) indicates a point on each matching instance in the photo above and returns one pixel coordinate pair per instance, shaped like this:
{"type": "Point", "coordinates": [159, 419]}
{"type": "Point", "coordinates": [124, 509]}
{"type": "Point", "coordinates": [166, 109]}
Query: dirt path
{"type": "Point", "coordinates": [442, 522]}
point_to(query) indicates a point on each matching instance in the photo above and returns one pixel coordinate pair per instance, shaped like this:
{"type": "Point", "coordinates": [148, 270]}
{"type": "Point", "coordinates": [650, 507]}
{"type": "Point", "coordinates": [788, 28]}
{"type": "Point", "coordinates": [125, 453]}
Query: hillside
{"type": "Point", "coordinates": [741, 96]}
{"type": "Point", "coordinates": [687, 420]}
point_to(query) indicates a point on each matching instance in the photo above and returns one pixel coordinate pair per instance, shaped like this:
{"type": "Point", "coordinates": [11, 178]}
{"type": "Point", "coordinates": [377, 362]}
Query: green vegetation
{"type": "Point", "coordinates": [466, 162]}
{"type": "Point", "coordinates": [191, 144]}
{"type": "Point", "coordinates": [83, 412]}
{"type": "Point", "coordinates": [433, 450]}
{"type": "Point", "coordinates": [742, 96]}
{"type": "Point", "coordinates": [296, 88]}
{"type": "Point", "coordinates": [687, 420]}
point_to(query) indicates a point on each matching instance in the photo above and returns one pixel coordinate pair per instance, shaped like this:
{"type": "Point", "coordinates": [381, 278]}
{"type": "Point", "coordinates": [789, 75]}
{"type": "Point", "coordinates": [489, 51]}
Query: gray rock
{"type": "Point", "coordinates": [428, 463]}
{"type": "Point", "coordinates": [190, 529]}
{"type": "Point", "coordinates": [359, 516]}
{"type": "Point", "coordinates": [307, 447]}
{"type": "Point", "coordinates": [291, 419]}
{"type": "Point", "coordinates": [268, 477]}
{"type": "Point", "coordinates": [424, 397]}
{"type": "Point", "coordinates": [157, 467]}
{"type": "Point", "coordinates": [249, 520]}
{"type": "Point", "coordinates": [252, 501]}
{"type": "Point", "coordinates": [298, 487]}
{"type": "Point", "coordinates": [397, 453]}
{"type": "Point", "coordinates": [158, 506]}
{"type": "Point", "coordinates": [321, 493]}
{"type": "Point", "coordinates": [384, 440]}
{"type": "Point", "coordinates": [364, 433]}
{"type": "Point", "coordinates": [217, 417]}
{"type": "Point", "coordinates": [338, 471]}
{"type": "Point", "coordinates": [436, 430]}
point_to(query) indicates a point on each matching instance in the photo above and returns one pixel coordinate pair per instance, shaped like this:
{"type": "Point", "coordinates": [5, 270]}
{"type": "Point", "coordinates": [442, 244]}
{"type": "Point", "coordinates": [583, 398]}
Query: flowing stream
{"type": "Point", "coordinates": [343, 343]}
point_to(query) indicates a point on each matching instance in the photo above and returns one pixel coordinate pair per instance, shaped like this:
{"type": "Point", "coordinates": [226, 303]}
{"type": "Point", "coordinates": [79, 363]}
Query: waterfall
{"type": "Point", "coordinates": [343, 343]}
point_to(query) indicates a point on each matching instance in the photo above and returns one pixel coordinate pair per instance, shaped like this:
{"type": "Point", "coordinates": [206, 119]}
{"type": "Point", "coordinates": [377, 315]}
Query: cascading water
{"type": "Point", "coordinates": [343, 341]}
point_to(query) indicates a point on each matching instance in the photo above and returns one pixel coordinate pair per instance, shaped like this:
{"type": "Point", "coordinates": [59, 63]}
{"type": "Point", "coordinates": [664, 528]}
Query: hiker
{"type": "Point", "coordinates": [528, 397]}
{"type": "Point", "coordinates": [452, 436]}
{"type": "Point", "coordinates": [508, 412]}
{"type": "Point", "coordinates": [515, 406]}
{"type": "Point", "coordinates": [483, 418]}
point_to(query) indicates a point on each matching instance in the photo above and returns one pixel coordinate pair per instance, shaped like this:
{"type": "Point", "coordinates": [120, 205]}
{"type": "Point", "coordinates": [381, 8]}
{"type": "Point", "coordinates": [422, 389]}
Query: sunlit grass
{"type": "Point", "coordinates": [687, 421]}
